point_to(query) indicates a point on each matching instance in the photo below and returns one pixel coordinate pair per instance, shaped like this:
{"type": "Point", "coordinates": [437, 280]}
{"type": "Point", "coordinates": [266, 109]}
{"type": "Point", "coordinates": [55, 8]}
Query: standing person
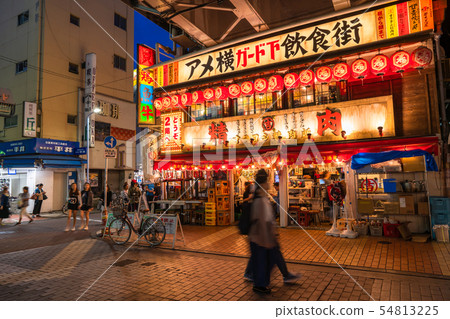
{"type": "Point", "coordinates": [124, 196]}
{"type": "Point", "coordinates": [87, 197]}
{"type": "Point", "coordinates": [4, 205]}
{"type": "Point", "coordinates": [74, 203]}
{"type": "Point", "coordinates": [38, 197]}
{"type": "Point", "coordinates": [24, 197]}
{"type": "Point", "coordinates": [134, 193]}
{"type": "Point", "coordinates": [108, 197]}
{"type": "Point", "coordinates": [262, 235]}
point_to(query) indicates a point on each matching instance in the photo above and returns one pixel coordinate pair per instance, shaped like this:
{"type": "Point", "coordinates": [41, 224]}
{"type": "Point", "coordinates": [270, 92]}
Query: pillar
{"type": "Point", "coordinates": [284, 196]}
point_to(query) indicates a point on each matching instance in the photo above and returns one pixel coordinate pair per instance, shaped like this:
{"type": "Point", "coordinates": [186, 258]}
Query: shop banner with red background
{"type": "Point", "coordinates": [146, 109]}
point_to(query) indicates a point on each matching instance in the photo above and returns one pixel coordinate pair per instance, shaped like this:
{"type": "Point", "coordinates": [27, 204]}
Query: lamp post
{"type": "Point", "coordinates": [88, 138]}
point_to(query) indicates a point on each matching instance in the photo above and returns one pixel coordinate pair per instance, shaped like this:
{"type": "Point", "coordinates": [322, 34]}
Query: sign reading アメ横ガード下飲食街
{"type": "Point", "coordinates": [390, 22]}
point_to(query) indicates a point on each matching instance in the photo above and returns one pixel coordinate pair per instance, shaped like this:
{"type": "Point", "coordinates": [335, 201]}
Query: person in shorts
{"type": "Point", "coordinates": [73, 205]}
{"type": "Point", "coordinates": [87, 198]}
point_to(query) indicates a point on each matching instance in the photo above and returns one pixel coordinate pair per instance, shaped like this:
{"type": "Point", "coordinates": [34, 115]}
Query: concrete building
{"type": "Point", "coordinates": [42, 53]}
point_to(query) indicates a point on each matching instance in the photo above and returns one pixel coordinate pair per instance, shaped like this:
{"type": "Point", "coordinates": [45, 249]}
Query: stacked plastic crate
{"type": "Point", "coordinates": [210, 208]}
{"type": "Point", "coordinates": [440, 217]}
{"type": "Point", "coordinates": [222, 203]}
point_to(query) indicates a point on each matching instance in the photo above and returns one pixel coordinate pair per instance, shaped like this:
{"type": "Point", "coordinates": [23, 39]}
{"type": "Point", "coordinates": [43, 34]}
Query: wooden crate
{"type": "Point", "coordinates": [211, 195]}
{"type": "Point", "coordinates": [223, 202]}
{"type": "Point", "coordinates": [221, 188]}
{"type": "Point", "coordinates": [223, 219]}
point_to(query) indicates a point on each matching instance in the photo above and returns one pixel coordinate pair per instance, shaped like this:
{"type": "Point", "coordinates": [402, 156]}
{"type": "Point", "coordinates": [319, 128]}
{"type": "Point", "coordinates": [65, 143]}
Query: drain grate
{"type": "Point", "coordinates": [148, 264]}
{"type": "Point", "coordinates": [383, 242]}
{"type": "Point", "coordinates": [125, 262]}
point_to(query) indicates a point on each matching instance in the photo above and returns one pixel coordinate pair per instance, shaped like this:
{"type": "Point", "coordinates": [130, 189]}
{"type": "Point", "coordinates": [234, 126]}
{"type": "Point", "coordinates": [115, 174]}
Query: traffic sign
{"type": "Point", "coordinates": [110, 153]}
{"type": "Point", "coordinates": [110, 141]}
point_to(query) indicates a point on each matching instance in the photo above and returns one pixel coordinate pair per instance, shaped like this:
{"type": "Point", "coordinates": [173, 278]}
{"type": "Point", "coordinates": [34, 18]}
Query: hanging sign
{"type": "Point", "coordinates": [146, 109]}
{"type": "Point", "coordinates": [291, 81]}
{"type": "Point", "coordinates": [306, 78]}
{"type": "Point", "coordinates": [261, 85]}
{"type": "Point", "coordinates": [360, 68]}
{"type": "Point", "coordinates": [247, 88]}
{"type": "Point", "coordinates": [324, 74]}
{"type": "Point", "coordinates": [341, 71]}
{"type": "Point", "coordinates": [275, 83]}
{"type": "Point", "coordinates": [421, 57]}
{"type": "Point", "coordinates": [209, 94]}
{"type": "Point", "coordinates": [171, 131]}
{"type": "Point", "coordinates": [29, 119]}
{"type": "Point", "coordinates": [400, 61]}
{"type": "Point", "coordinates": [234, 91]}
{"type": "Point", "coordinates": [379, 64]}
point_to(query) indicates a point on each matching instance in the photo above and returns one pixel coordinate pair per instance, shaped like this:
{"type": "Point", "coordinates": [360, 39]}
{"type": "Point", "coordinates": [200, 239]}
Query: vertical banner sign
{"type": "Point", "coordinates": [146, 109]}
{"type": "Point", "coordinates": [414, 16]}
{"type": "Point", "coordinates": [175, 72]}
{"type": "Point", "coordinates": [426, 14]}
{"type": "Point", "coordinates": [381, 24]}
{"type": "Point", "coordinates": [171, 131]}
{"type": "Point", "coordinates": [171, 74]}
{"type": "Point", "coordinates": [29, 119]}
{"type": "Point", "coordinates": [160, 76]}
{"type": "Point", "coordinates": [391, 21]}
{"type": "Point", "coordinates": [166, 75]}
{"type": "Point", "coordinates": [89, 94]}
{"type": "Point", "coordinates": [403, 21]}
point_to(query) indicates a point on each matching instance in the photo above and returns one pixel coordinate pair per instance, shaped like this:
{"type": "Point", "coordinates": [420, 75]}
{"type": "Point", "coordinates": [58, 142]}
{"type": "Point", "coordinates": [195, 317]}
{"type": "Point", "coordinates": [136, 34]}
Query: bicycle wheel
{"type": "Point", "coordinates": [65, 208]}
{"type": "Point", "coordinates": [119, 231]}
{"type": "Point", "coordinates": [154, 231]}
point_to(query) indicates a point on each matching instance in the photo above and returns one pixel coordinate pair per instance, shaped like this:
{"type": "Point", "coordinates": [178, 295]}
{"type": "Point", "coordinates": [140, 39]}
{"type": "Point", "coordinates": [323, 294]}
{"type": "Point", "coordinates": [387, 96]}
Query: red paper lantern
{"type": "Point", "coordinates": [360, 68]}
{"type": "Point", "coordinates": [421, 57]}
{"type": "Point", "coordinates": [291, 81]}
{"type": "Point", "coordinates": [158, 103]}
{"type": "Point", "coordinates": [261, 86]}
{"type": "Point", "coordinates": [247, 88]}
{"type": "Point", "coordinates": [167, 103]}
{"type": "Point", "coordinates": [324, 74]}
{"type": "Point", "coordinates": [379, 64]}
{"type": "Point", "coordinates": [209, 94]}
{"type": "Point", "coordinates": [197, 97]}
{"type": "Point", "coordinates": [400, 61]}
{"type": "Point", "coordinates": [221, 93]}
{"type": "Point", "coordinates": [176, 100]}
{"type": "Point", "coordinates": [275, 83]}
{"type": "Point", "coordinates": [306, 78]}
{"type": "Point", "coordinates": [234, 90]}
{"type": "Point", "coordinates": [186, 99]}
{"type": "Point", "coordinates": [341, 71]}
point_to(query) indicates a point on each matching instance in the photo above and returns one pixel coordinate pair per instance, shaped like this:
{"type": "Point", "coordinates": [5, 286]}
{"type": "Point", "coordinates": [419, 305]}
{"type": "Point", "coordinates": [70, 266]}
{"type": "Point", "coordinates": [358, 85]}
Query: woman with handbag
{"type": "Point", "coordinates": [38, 196]}
{"type": "Point", "coordinates": [4, 205]}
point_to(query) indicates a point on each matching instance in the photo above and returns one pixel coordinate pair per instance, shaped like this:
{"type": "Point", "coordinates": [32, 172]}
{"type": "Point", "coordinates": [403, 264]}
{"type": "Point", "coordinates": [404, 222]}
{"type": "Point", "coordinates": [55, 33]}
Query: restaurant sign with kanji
{"type": "Point", "coordinates": [171, 132]}
{"type": "Point", "coordinates": [389, 22]}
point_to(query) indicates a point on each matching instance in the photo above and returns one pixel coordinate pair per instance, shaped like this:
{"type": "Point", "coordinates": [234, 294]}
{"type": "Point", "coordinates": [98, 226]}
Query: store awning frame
{"type": "Point", "coordinates": [47, 161]}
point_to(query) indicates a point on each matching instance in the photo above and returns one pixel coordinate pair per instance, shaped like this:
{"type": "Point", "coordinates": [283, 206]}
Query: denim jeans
{"type": "Point", "coordinates": [262, 262]}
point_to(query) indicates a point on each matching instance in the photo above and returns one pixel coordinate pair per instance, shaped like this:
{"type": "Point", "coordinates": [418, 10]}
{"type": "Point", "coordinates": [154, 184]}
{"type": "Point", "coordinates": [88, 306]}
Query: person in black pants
{"type": "Point", "coordinates": [39, 193]}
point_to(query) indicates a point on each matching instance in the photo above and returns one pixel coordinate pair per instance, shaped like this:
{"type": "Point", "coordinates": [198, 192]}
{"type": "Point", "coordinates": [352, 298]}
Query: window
{"type": "Point", "coordinates": [120, 21]}
{"type": "Point", "coordinates": [120, 63]}
{"type": "Point", "coordinates": [73, 68]}
{"type": "Point", "coordinates": [74, 20]}
{"type": "Point", "coordinates": [198, 112]}
{"type": "Point", "coordinates": [263, 102]}
{"type": "Point", "coordinates": [11, 121]}
{"type": "Point", "coordinates": [329, 92]}
{"type": "Point", "coordinates": [301, 96]}
{"type": "Point", "coordinates": [23, 17]}
{"type": "Point", "coordinates": [71, 119]}
{"type": "Point", "coordinates": [213, 109]}
{"type": "Point", "coordinates": [245, 105]}
{"type": "Point", "coordinates": [21, 66]}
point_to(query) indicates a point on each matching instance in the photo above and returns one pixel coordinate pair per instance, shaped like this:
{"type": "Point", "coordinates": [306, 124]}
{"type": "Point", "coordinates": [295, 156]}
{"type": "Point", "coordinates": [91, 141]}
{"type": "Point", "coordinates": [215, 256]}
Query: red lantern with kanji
{"type": "Point", "coordinates": [341, 71]}
{"type": "Point", "coordinates": [186, 99]}
{"type": "Point", "coordinates": [158, 103]}
{"type": "Point", "coordinates": [421, 57]}
{"type": "Point", "coordinates": [167, 103]}
{"type": "Point", "coordinates": [247, 88]}
{"type": "Point", "coordinates": [261, 86]}
{"type": "Point", "coordinates": [221, 93]}
{"type": "Point", "coordinates": [197, 97]}
{"type": "Point", "coordinates": [379, 64]}
{"type": "Point", "coordinates": [209, 94]}
{"type": "Point", "coordinates": [291, 81]}
{"type": "Point", "coordinates": [400, 61]}
{"type": "Point", "coordinates": [176, 100]}
{"type": "Point", "coordinates": [275, 83]}
{"type": "Point", "coordinates": [360, 68]}
{"type": "Point", "coordinates": [324, 74]}
{"type": "Point", "coordinates": [234, 90]}
{"type": "Point", "coordinates": [306, 78]}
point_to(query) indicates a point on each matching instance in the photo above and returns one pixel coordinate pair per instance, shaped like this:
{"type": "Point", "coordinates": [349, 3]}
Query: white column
{"type": "Point", "coordinates": [284, 196]}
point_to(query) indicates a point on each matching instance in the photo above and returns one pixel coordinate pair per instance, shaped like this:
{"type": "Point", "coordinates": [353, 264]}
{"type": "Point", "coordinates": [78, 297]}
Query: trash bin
{"type": "Point", "coordinates": [441, 231]}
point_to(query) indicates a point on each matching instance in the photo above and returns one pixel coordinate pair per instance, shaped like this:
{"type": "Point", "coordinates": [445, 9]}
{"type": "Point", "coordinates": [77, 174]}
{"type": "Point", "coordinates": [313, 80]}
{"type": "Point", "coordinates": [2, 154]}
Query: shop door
{"type": "Point", "coordinates": [59, 190]}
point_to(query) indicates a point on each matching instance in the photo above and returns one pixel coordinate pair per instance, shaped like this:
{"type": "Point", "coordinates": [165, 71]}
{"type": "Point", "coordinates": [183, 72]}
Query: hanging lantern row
{"type": "Point", "coordinates": [379, 65]}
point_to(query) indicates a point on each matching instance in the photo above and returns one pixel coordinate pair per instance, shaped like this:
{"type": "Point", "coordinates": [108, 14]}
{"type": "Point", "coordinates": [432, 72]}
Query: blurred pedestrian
{"type": "Point", "coordinates": [38, 196]}
{"type": "Point", "coordinates": [108, 198]}
{"type": "Point", "coordinates": [4, 205]}
{"type": "Point", "coordinates": [24, 198]}
{"type": "Point", "coordinates": [87, 198]}
{"type": "Point", "coordinates": [134, 193]}
{"type": "Point", "coordinates": [74, 204]}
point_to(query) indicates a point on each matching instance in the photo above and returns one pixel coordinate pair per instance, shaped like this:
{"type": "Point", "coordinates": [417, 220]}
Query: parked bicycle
{"type": "Point", "coordinates": [151, 228]}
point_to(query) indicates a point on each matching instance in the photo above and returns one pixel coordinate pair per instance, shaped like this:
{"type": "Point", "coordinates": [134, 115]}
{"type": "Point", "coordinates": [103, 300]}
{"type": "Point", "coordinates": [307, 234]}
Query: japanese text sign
{"type": "Point", "coordinates": [171, 131]}
{"type": "Point", "coordinates": [146, 109]}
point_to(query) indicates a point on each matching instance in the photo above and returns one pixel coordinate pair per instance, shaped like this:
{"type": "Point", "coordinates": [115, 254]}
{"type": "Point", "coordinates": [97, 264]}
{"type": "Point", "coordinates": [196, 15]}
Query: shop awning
{"type": "Point", "coordinates": [342, 151]}
{"type": "Point", "coordinates": [362, 159]}
{"type": "Point", "coordinates": [47, 161]}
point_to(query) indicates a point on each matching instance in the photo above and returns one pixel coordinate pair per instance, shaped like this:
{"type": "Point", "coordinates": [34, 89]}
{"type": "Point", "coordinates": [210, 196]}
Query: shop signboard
{"type": "Point", "coordinates": [29, 119]}
{"type": "Point", "coordinates": [146, 109]}
{"type": "Point", "coordinates": [89, 93]}
{"type": "Point", "coordinates": [387, 23]}
{"type": "Point", "coordinates": [110, 153]}
{"type": "Point", "coordinates": [40, 146]}
{"type": "Point", "coordinates": [171, 131]}
{"type": "Point", "coordinates": [350, 120]}
{"type": "Point", "coordinates": [7, 105]}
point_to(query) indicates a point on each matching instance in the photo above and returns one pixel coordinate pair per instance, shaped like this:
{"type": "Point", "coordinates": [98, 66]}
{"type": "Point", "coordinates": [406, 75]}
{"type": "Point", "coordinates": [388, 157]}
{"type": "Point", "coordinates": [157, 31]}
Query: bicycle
{"type": "Point", "coordinates": [152, 228]}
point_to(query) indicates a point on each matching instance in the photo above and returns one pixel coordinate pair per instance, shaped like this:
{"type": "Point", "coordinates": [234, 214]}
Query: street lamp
{"type": "Point", "coordinates": [88, 137]}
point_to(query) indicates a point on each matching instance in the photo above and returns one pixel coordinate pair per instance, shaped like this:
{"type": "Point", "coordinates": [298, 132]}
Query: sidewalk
{"type": "Point", "coordinates": [367, 252]}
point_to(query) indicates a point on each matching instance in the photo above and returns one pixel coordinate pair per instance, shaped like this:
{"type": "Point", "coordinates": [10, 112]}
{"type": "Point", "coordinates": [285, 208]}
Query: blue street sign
{"type": "Point", "coordinates": [80, 151]}
{"type": "Point", "coordinates": [110, 141]}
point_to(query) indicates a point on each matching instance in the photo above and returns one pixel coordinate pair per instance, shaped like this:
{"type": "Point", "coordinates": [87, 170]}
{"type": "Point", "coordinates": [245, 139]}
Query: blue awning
{"type": "Point", "coordinates": [48, 161]}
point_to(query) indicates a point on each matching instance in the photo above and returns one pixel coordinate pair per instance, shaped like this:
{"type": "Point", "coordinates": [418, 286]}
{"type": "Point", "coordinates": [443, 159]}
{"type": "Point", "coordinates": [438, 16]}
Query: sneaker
{"type": "Point", "coordinates": [248, 277]}
{"type": "Point", "coordinates": [86, 228]}
{"type": "Point", "coordinates": [73, 228]}
{"type": "Point", "coordinates": [31, 220]}
{"type": "Point", "coordinates": [67, 229]}
{"type": "Point", "coordinates": [263, 290]}
{"type": "Point", "coordinates": [291, 278]}
{"type": "Point", "coordinates": [81, 227]}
